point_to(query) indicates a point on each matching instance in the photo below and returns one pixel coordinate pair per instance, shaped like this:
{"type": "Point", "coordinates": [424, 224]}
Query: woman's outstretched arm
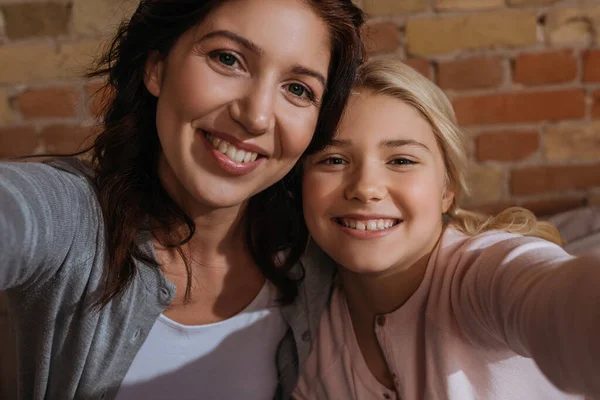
{"type": "Point", "coordinates": [45, 213]}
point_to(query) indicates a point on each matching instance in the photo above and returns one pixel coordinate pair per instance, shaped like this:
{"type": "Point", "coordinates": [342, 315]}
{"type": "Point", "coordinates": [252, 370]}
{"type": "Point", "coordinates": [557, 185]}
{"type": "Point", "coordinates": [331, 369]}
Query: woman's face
{"type": "Point", "coordinates": [238, 100]}
{"type": "Point", "coordinates": [374, 199]}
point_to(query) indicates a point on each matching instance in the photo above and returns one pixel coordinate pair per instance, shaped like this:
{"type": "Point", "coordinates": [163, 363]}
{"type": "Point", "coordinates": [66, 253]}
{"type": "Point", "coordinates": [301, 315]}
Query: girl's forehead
{"type": "Point", "coordinates": [371, 116]}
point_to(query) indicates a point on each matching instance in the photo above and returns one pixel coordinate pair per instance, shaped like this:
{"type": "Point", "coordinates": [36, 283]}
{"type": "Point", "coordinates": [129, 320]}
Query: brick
{"type": "Point", "coordinates": [573, 26]}
{"type": "Point", "coordinates": [97, 96]}
{"type": "Point", "coordinates": [78, 56]}
{"type": "Point", "coordinates": [383, 37]}
{"type": "Point", "coordinates": [2, 26]}
{"type": "Point", "coordinates": [393, 7]}
{"type": "Point", "coordinates": [545, 68]}
{"type": "Point", "coordinates": [17, 141]}
{"type": "Point", "coordinates": [591, 66]}
{"type": "Point", "coordinates": [65, 139]}
{"type": "Point", "coordinates": [470, 73]}
{"type": "Point", "coordinates": [486, 184]}
{"type": "Point", "coordinates": [421, 66]}
{"type": "Point", "coordinates": [506, 145]}
{"type": "Point", "coordinates": [595, 104]}
{"type": "Point", "coordinates": [100, 17]}
{"type": "Point", "coordinates": [542, 179]}
{"type": "Point", "coordinates": [437, 35]}
{"type": "Point", "coordinates": [45, 61]}
{"type": "Point", "coordinates": [548, 207]}
{"type": "Point", "coordinates": [29, 20]}
{"type": "Point", "coordinates": [519, 3]}
{"type": "Point", "coordinates": [563, 143]}
{"type": "Point", "coordinates": [48, 102]}
{"type": "Point", "coordinates": [520, 107]}
{"type": "Point", "coordinates": [594, 197]}
{"type": "Point", "coordinates": [452, 5]}
{"type": "Point", "coordinates": [6, 111]}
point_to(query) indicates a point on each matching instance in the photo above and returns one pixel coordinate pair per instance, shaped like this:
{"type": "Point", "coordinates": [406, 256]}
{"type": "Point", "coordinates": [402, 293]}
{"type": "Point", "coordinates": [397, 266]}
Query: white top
{"type": "Point", "coordinates": [231, 359]}
{"type": "Point", "coordinates": [497, 317]}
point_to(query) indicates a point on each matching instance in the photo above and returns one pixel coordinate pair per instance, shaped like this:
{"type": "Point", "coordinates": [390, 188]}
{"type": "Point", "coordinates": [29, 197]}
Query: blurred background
{"type": "Point", "coordinates": [524, 77]}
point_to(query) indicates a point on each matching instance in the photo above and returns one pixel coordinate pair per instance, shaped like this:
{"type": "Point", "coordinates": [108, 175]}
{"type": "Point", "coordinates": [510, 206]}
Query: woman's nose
{"type": "Point", "coordinates": [254, 110]}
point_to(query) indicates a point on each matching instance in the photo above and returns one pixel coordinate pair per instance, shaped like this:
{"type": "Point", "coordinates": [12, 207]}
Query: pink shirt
{"type": "Point", "coordinates": [486, 306]}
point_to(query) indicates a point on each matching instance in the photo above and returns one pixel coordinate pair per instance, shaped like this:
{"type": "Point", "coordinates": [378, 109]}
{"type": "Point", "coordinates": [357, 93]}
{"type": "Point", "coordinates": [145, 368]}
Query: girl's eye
{"type": "Point", "coordinates": [402, 161]}
{"type": "Point", "coordinates": [299, 90]}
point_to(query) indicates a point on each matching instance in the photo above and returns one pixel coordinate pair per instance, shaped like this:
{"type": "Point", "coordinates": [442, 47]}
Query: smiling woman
{"type": "Point", "coordinates": [169, 266]}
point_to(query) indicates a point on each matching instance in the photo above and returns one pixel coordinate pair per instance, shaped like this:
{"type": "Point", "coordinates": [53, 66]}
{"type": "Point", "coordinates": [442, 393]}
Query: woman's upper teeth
{"type": "Point", "coordinates": [232, 152]}
{"type": "Point", "coordinates": [368, 224]}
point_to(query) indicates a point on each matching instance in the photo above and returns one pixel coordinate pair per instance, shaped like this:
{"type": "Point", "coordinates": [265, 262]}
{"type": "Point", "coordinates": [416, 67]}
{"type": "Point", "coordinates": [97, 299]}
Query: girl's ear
{"type": "Point", "coordinates": [153, 74]}
{"type": "Point", "coordinates": [447, 199]}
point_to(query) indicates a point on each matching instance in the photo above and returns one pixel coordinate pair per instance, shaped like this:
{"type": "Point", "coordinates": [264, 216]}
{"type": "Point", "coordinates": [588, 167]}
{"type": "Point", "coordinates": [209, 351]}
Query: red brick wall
{"type": "Point", "coordinates": [524, 77]}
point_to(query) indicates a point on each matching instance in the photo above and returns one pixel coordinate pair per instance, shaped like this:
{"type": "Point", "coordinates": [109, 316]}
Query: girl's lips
{"type": "Point", "coordinates": [366, 234]}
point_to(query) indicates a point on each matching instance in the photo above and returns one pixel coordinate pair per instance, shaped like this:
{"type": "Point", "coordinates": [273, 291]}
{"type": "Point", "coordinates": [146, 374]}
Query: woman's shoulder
{"type": "Point", "coordinates": [62, 171]}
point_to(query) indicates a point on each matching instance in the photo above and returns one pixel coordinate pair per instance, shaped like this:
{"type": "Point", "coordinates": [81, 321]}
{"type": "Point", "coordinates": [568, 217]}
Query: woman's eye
{"type": "Point", "coordinates": [299, 90]}
{"type": "Point", "coordinates": [226, 59]}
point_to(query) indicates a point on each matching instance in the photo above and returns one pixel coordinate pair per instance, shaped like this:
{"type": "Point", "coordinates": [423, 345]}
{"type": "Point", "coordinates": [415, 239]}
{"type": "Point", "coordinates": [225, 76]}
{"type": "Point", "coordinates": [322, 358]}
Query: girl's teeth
{"type": "Point", "coordinates": [234, 154]}
{"type": "Point", "coordinates": [370, 225]}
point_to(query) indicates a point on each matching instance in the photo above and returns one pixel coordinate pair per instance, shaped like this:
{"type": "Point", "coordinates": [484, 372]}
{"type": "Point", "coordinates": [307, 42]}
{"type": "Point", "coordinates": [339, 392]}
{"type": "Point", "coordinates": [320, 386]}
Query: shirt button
{"type": "Point", "coordinates": [306, 336]}
{"type": "Point", "coordinates": [136, 334]}
{"type": "Point", "coordinates": [381, 320]}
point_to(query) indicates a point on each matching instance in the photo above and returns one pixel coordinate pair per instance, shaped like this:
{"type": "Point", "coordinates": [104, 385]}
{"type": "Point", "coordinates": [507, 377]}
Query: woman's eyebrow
{"type": "Point", "coordinates": [253, 47]}
{"type": "Point", "coordinates": [300, 70]}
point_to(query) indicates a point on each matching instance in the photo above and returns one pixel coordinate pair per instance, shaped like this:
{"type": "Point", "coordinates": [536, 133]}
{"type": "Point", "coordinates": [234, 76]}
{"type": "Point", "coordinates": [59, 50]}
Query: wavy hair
{"type": "Point", "coordinates": [125, 154]}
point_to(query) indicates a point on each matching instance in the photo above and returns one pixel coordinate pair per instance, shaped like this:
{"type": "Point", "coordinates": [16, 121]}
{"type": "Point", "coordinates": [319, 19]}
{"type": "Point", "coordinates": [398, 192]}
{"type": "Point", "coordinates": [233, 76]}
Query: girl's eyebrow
{"type": "Point", "coordinates": [387, 143]}
{"type": "Point", "coordinates": [400, 143]}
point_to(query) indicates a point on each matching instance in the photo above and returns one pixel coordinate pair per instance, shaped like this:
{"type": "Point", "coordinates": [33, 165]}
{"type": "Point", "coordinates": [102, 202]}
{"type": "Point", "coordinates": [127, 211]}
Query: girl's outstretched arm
{"type": "Point", "coordinates": [537, 299]}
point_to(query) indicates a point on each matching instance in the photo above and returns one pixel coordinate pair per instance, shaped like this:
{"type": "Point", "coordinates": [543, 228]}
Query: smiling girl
{"type": "Point", "coordinates": [434, 302]}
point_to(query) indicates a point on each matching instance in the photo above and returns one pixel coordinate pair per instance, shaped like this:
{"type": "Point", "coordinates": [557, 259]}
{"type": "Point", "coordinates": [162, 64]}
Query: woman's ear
{"type": "Point", "coordinates": [153, 73]}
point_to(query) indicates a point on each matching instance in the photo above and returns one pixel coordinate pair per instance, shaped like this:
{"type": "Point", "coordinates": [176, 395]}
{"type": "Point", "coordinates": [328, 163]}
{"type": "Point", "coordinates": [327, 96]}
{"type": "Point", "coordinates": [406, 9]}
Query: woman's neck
{"type": "Point", "coordinates": [224, 276]}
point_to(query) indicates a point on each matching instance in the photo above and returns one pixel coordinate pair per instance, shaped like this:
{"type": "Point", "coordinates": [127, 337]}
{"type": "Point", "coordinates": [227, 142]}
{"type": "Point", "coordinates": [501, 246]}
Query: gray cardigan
{"type": "Point", "coordinates": [52, 253]}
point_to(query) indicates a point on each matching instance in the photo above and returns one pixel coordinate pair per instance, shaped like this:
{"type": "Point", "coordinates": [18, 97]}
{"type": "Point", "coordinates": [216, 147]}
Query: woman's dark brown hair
{"type": "Point", "coordinates": [125, 154]}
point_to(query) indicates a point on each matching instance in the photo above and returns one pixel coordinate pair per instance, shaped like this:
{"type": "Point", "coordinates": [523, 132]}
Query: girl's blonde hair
{"type": "Point", "coordinates": [391, 77]}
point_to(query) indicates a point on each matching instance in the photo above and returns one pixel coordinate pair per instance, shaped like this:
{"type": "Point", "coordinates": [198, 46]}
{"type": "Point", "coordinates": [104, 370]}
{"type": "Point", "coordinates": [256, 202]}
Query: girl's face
{"type": "Point", "coordinates": [238, 100]}
{"type": "Point", "coordinates": [374, 199]}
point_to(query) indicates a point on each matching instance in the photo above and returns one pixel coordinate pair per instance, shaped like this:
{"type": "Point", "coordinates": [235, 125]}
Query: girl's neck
{"type": "Point", "coordinates": [369, 295]}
